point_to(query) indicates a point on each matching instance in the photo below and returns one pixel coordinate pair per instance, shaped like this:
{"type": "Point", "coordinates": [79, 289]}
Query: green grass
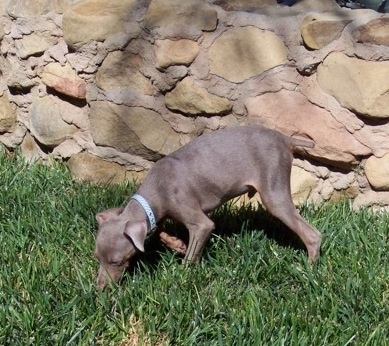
{"type": "Point", "coordinates": [254, 285]}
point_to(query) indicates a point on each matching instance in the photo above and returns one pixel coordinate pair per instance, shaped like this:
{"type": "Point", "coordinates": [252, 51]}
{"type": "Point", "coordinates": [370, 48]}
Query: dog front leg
{"type": "Point", "coordinates": [199, 233]}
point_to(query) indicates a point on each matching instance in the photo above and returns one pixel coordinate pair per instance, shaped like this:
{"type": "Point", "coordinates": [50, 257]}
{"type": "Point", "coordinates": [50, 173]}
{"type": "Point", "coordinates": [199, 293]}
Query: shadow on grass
{"type": "Point", "coordinates": [229, 220]}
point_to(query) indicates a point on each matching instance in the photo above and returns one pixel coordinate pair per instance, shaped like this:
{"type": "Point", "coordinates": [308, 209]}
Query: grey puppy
{"type": "Point", "coordinates": [194, 180]}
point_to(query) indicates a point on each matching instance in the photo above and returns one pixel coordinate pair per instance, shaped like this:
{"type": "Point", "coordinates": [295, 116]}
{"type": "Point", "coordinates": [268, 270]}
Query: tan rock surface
{"type": "Point", "coordinates": [196, 13]}
{"type": "Point", "coordinates": [378, 200]}
{"type": "Point", "coordinates": [242, 53]}
{"type": "Point", "coordinates": [360, 86]}
{"type": "Point", "coordinates": [374, 32]}
{"type": "Point", "coordinates": [46, 120]}
{"type": "Point", "coordinates": [1, 31]}
{"type": "Point", "coordinates": [134, 130]}
{"type": "Point", "coordinates": [181, 52]}
{"type": "Point", "coordinates": [213, 66]}
{"type": "Point", "coordinates": [377, 172]}
{"type": "Point", "coordinates": [83, 21]}
{"type": "Point", "coordinates": [34, 44]}
{"type": "Point", "coordinates": [28, 8]}
{"type": "Point", "coordinates": [302, 184]}
{"type": "Point", "coordinates": [120, 71]}
{"type": "Point", "coordinates": [191, 99]}
{"type": "Point", "coordinates": [7, 114]}
{"type": "Point", "coordinates": [291, 113]}
{"type": "Point", "coordinates": [64, 80]}
{"type": "Point", "coordinates": [92, 169]}
{"type": "Point", "coordinates": [320, 29]}
{"type": "Point", "coordinates": [30, 150]}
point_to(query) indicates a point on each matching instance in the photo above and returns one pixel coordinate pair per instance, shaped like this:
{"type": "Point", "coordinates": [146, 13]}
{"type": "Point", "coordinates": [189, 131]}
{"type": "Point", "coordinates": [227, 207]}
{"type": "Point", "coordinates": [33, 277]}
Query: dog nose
{"type": "Point", "coordinates": [101, 282]}
{"type": "Point", "coordinates": [102, 279]}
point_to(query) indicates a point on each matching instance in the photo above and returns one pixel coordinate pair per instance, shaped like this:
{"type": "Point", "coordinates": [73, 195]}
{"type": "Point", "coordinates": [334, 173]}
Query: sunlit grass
{"type": "Point", "coordinates": [254, 285]}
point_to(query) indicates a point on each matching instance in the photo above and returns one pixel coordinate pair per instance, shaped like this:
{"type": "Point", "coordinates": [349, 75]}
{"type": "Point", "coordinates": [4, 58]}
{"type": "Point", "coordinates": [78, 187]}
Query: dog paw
{"type": "Point", "coordinates": [173, 243]}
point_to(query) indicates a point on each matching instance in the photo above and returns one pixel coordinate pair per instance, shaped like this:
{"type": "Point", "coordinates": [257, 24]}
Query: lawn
{"type": "Point", "coordinates": [254, 285]}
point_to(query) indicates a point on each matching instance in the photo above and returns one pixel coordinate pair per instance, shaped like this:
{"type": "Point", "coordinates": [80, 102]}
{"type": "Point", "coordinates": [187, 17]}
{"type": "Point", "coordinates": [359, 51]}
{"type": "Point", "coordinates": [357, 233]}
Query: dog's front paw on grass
{"type": "Point", "coordinates": [173, 243]}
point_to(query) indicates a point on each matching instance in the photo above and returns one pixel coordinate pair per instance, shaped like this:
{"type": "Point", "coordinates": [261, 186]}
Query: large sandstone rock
{"type": "Point", "coordinates": [291, 113]}
{"type": "Point", "coordinates": [133, 130]}
{"type": "Point", "coordinates": [374, 32]}
{"type": "Point", "coordinates": [191, 99]}
{"type": "Point", "coordinates": [95, 20]}
{"type": "Point", "coordinates": [34, 44]}
{"type": "Point", "coordinates": [47, 122]}
{"type": "Point", "coordinates": [89, 168]}
{"type": "Point", "coordinates": [181, 52]}
{"type": "Point", "coordinates": [241, 53]}
{"type": "Point", "coordinates": [320, 29]}
{"type": "Point", "coordinates": [7, 114]}
{"type": "Point", "coordinates": [360, 86]}
{"type": "Point", "coordinates": [64, 80]}
{"type": "Point", "coordinates": [120, 71]}
{"type": "Point", "coordinates": [194, 13]}
{"type": "Point", "coordinates": [377, 172]}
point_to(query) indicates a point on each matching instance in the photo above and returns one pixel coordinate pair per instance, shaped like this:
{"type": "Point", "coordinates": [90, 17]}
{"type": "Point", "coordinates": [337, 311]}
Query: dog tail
{"type": "Point", "coordinates": [297, 142]}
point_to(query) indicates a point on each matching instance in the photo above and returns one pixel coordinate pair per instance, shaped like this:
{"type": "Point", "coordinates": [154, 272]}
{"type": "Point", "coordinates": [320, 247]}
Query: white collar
{"type": "Point", "coordinates": [149, 212]}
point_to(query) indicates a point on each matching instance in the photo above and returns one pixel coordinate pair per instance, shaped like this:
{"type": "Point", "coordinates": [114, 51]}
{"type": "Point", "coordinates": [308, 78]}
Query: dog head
{"type": "Point", "coordinates": [118, 240]}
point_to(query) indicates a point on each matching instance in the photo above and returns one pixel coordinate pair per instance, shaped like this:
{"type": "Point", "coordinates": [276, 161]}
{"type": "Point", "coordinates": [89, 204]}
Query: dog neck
{"type": "Point", "coordinates": [147, 209]}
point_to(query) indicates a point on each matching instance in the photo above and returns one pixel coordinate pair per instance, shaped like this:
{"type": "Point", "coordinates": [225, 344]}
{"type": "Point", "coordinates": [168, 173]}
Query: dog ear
{"type": "Point", "coordinates": [137, 231]}
{"type": "Point", "coordinates": [107, 214]}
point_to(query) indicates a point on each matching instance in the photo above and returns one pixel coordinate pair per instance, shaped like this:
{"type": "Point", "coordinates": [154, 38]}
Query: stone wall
{"type": "Point", "coordinates": [112, 86]}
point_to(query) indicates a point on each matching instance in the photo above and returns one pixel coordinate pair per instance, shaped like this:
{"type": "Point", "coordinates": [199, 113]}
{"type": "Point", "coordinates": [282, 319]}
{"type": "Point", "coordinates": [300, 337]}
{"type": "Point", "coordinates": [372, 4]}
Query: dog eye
{"type": "Point", "coordinates": [116, 262]}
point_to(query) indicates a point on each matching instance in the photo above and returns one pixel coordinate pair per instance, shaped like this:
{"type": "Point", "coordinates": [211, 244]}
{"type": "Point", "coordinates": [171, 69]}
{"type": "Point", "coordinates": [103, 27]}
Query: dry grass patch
{"type": "Point", "coordinates": [138, 336]}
